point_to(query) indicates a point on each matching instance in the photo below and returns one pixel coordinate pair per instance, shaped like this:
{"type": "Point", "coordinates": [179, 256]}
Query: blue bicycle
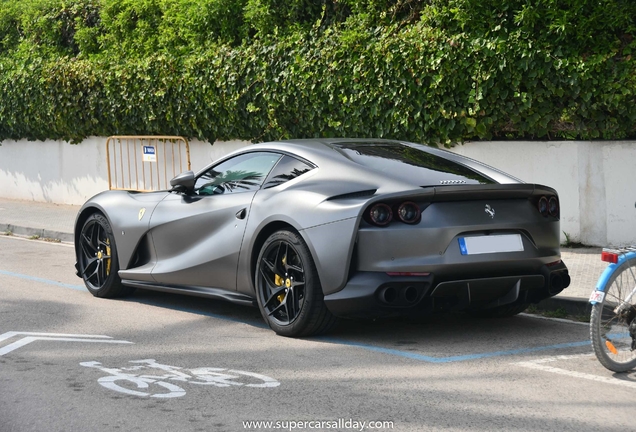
{"type": "Point", "coordinates": [613, 319]}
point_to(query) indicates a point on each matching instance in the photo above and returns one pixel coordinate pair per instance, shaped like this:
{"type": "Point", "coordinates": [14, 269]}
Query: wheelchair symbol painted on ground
{"type": "Point", "coordinates": [147, 378]}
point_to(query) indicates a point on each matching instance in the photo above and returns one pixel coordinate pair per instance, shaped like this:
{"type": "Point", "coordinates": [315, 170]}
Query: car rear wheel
{"type": "Point", "coordinates": [289, 293]}
{"type": "Point", "coordinates": [97, 258]}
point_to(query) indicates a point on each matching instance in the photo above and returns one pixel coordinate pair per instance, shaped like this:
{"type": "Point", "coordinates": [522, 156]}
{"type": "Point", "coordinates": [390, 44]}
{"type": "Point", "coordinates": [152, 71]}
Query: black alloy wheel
{"type": "Point", "coordinates": [97, 258]}
{"type": "Point", "coordinates": [288, 290]}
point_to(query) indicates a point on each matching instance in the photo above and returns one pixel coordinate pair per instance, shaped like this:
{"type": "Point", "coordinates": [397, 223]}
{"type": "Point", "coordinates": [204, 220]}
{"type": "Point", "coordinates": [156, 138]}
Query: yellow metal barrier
{"type": "Point", "coordinates": [145, 163]}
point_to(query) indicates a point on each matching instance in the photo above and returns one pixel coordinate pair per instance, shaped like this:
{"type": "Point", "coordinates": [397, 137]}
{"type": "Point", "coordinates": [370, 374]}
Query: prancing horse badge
{"type": "Point", "coordinates": [490, 211]}
{"type": "Point", "coordinates": [142, 212]}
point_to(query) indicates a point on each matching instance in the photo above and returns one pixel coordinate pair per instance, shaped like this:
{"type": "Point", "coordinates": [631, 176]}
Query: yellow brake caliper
{"type": "Point", "coordinates": [108, 254]}
{"type": "Point", "coordinates": [279, 281]}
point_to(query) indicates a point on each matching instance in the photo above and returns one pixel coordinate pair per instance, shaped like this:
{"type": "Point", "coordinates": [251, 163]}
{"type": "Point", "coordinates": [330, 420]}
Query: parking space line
{"type": "Point", "coordinates": [41, 280]}
{"type": "Point", "coordinates": [539, 364]}
{"type": "Point", "coordinates": [452, 359]}
{"type": "Point", "coordinates": [28, 339]}
{"type": "Point", "coordinates": [561, 320]}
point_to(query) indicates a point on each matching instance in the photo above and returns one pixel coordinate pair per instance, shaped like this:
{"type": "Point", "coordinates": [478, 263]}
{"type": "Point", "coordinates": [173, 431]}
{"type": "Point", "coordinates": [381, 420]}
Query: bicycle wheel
{"type": "Point", "coordinates": [613, 321]}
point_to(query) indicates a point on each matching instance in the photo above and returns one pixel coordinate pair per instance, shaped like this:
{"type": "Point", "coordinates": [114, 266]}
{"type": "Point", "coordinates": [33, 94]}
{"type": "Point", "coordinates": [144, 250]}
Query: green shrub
{"type": "Point", "coordinates": [434, 71]}
{"type": "Point", "coordinates": [48, 26]}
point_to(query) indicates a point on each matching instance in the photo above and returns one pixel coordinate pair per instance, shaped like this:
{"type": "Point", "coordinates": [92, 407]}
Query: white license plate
{"type": "Point", "coordinates": [490, 244]}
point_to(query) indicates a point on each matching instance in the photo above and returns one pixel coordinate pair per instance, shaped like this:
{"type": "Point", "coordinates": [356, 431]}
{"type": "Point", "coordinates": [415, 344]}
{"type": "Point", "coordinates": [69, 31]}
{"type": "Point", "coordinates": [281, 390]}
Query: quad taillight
{"type": "Point", "coordinates": [409, 212]}
{"type": "Point", "coordinates": [548, 206]}
{"type": "Point", "coordinates": [381, 214]}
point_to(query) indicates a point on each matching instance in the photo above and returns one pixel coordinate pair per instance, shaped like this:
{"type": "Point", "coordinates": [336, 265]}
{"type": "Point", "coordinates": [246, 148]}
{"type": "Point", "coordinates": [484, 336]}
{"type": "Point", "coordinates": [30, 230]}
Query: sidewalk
{"type": "Point", "coordinates": [30, 218]}
{"type": "Point", "coordinates": [56, 221]}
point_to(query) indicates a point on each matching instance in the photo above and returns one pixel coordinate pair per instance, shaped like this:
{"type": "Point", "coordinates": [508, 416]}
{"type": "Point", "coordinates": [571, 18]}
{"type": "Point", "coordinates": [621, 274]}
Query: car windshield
{"type": "Point", "coordinates": [410, 164]}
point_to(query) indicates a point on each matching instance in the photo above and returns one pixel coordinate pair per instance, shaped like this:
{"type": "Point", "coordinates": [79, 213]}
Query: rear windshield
{"type": "Point", "coordinates": [411, 164]}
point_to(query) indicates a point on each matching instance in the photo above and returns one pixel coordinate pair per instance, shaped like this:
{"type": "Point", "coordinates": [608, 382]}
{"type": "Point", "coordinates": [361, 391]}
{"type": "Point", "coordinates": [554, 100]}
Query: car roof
{"type": "Point", "coordinates": [328, 151]}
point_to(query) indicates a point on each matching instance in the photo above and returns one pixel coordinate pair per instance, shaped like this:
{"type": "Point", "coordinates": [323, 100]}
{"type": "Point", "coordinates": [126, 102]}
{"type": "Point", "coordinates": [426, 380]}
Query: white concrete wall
{"type": "Point", "coordinates": [596, 181]}
{"type": "Point", "coordinates": [62, 173]}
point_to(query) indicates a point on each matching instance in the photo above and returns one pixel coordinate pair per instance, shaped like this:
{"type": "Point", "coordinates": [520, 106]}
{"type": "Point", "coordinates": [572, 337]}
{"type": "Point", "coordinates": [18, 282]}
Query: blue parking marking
{"type": "Point", "coordinates": [337, 341]}
{"type": "Point", "coordinates": [452, 359]}
{"type": "Point", "coordinates": [46, 281]}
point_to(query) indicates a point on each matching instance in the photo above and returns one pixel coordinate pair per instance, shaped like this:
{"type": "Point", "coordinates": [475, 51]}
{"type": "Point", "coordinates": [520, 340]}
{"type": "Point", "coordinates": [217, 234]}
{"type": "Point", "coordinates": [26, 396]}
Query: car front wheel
{"type": "Point", "coordinates": [97, 258]}
{"type": "Point", "coordinates": [289, 293]}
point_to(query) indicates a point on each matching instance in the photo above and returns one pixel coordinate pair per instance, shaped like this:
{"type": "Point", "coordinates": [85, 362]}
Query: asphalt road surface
{"type": "Point", "coordinates": [162, 362]}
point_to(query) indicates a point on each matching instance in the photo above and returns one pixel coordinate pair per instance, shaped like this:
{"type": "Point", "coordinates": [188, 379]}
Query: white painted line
{"type": "Point", "coordinates": [559, 357]}
{"type": "Point", "coordinates": [32, 337]}
{"type": "Point", "coordinates": [540, 365]}
{"type": "Point", "coordinates": [10, 334]}
{"type": "Point", "coordinates": [562, 320]}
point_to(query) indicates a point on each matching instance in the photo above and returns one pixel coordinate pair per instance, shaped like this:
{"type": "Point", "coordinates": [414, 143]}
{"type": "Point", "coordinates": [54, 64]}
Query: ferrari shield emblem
{"type": "Point", "coordinates": [142, 212]}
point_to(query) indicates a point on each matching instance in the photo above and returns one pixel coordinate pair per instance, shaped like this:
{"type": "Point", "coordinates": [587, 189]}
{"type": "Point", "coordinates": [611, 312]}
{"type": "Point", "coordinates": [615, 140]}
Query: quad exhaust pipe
{"type": "Point", "coordinates": [399, 296]}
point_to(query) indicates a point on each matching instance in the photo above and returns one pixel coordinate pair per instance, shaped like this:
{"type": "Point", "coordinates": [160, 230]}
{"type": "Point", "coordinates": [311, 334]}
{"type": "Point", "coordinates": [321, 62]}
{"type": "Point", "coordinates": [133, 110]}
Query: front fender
{"type": "Point", "coordinates": [124, 213]}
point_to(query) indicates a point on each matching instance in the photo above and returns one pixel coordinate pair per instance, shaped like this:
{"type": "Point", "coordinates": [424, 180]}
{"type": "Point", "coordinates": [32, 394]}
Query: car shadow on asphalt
{"type": "Point", "coordinates": [451, 334]}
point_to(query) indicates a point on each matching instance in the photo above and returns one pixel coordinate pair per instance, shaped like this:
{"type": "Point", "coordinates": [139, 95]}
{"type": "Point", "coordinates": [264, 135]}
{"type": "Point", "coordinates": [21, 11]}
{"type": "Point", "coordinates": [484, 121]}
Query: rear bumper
{"type": "Point", "coordinates": [369, 294]}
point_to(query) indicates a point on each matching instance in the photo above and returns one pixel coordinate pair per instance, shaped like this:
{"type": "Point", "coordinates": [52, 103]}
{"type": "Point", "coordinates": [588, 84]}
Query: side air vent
{"type": "Point", "coordinates": [452, 182]}
{"type": "Point", "coordinates": [353, 195]}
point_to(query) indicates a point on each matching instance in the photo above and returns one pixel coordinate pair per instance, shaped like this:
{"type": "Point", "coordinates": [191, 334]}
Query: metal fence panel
{"type": "Point", "coordinates": [145, 163]}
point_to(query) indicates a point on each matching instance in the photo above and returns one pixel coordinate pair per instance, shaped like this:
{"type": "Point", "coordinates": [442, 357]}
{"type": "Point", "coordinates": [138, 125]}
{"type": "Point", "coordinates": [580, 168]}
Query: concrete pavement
{"type": "Point", "coordinates": [30, 218]}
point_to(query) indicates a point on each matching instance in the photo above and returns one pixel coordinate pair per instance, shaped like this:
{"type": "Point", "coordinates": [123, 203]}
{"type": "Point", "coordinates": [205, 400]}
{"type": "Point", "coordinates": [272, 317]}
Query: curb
{"type": "Point", "coordinates": [572, 305]}
{"type": "Point", "coordinates": [40, 232]}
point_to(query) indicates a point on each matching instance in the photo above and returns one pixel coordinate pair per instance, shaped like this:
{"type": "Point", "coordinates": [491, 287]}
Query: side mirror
{"type": "Point", "coordinates": [184, 182]}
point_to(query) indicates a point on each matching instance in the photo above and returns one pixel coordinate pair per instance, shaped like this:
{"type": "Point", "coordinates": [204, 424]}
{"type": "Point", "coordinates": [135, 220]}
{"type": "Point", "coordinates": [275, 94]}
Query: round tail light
{"type": "Point", "coordinates": [543, 206]}
{"type": "Point", "coordinates": [553, 207]}
{"type": "Point", "coordinates": [409, 212]}
{"type": "Point", "coordinates": [380, 214]}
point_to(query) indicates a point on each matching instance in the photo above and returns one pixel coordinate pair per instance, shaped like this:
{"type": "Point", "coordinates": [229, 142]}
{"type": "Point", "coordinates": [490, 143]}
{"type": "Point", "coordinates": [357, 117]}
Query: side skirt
{"type": "Point", "coordinates": [213, 293]}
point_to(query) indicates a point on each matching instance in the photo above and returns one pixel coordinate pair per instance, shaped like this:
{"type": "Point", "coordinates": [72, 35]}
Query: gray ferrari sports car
{"type": "Point", "coordinates": [312, 230]}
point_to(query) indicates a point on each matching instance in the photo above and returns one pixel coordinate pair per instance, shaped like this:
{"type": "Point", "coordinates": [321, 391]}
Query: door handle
{"type": "Point", "coordinates": [241, 214]}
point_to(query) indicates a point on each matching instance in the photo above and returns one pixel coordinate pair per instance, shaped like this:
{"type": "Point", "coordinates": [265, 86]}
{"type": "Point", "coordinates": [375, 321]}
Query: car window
{"type": "Point", "coordinates": [411, 164]}
{"type": "Point", "coordinates": [242, 173]}
{"type": "Point", "coordinates": [288, 168]}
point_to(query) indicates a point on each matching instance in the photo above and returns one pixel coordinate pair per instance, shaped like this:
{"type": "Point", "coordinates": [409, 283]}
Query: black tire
{"type": "Point", "coordinates": [609, 331]}
{"type": "Point", "coordinates": [504, 311]}
{"type": "Point", "coordinates": [97, 259]}
{"type": "Point", "coordinates": [288, 289]}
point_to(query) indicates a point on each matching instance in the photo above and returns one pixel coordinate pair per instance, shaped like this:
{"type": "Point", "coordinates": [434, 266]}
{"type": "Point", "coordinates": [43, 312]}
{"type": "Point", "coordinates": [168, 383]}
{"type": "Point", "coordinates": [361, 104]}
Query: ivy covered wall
{"type": "Point", "coordinates": [434, 71]}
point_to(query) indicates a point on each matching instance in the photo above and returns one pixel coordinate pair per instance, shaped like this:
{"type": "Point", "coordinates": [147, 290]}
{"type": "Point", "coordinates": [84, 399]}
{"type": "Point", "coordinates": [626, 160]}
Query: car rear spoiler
{"type": "Point", "coordinates": [469, 192]}
{"type": "Point", "coordinates": [478, 192]}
